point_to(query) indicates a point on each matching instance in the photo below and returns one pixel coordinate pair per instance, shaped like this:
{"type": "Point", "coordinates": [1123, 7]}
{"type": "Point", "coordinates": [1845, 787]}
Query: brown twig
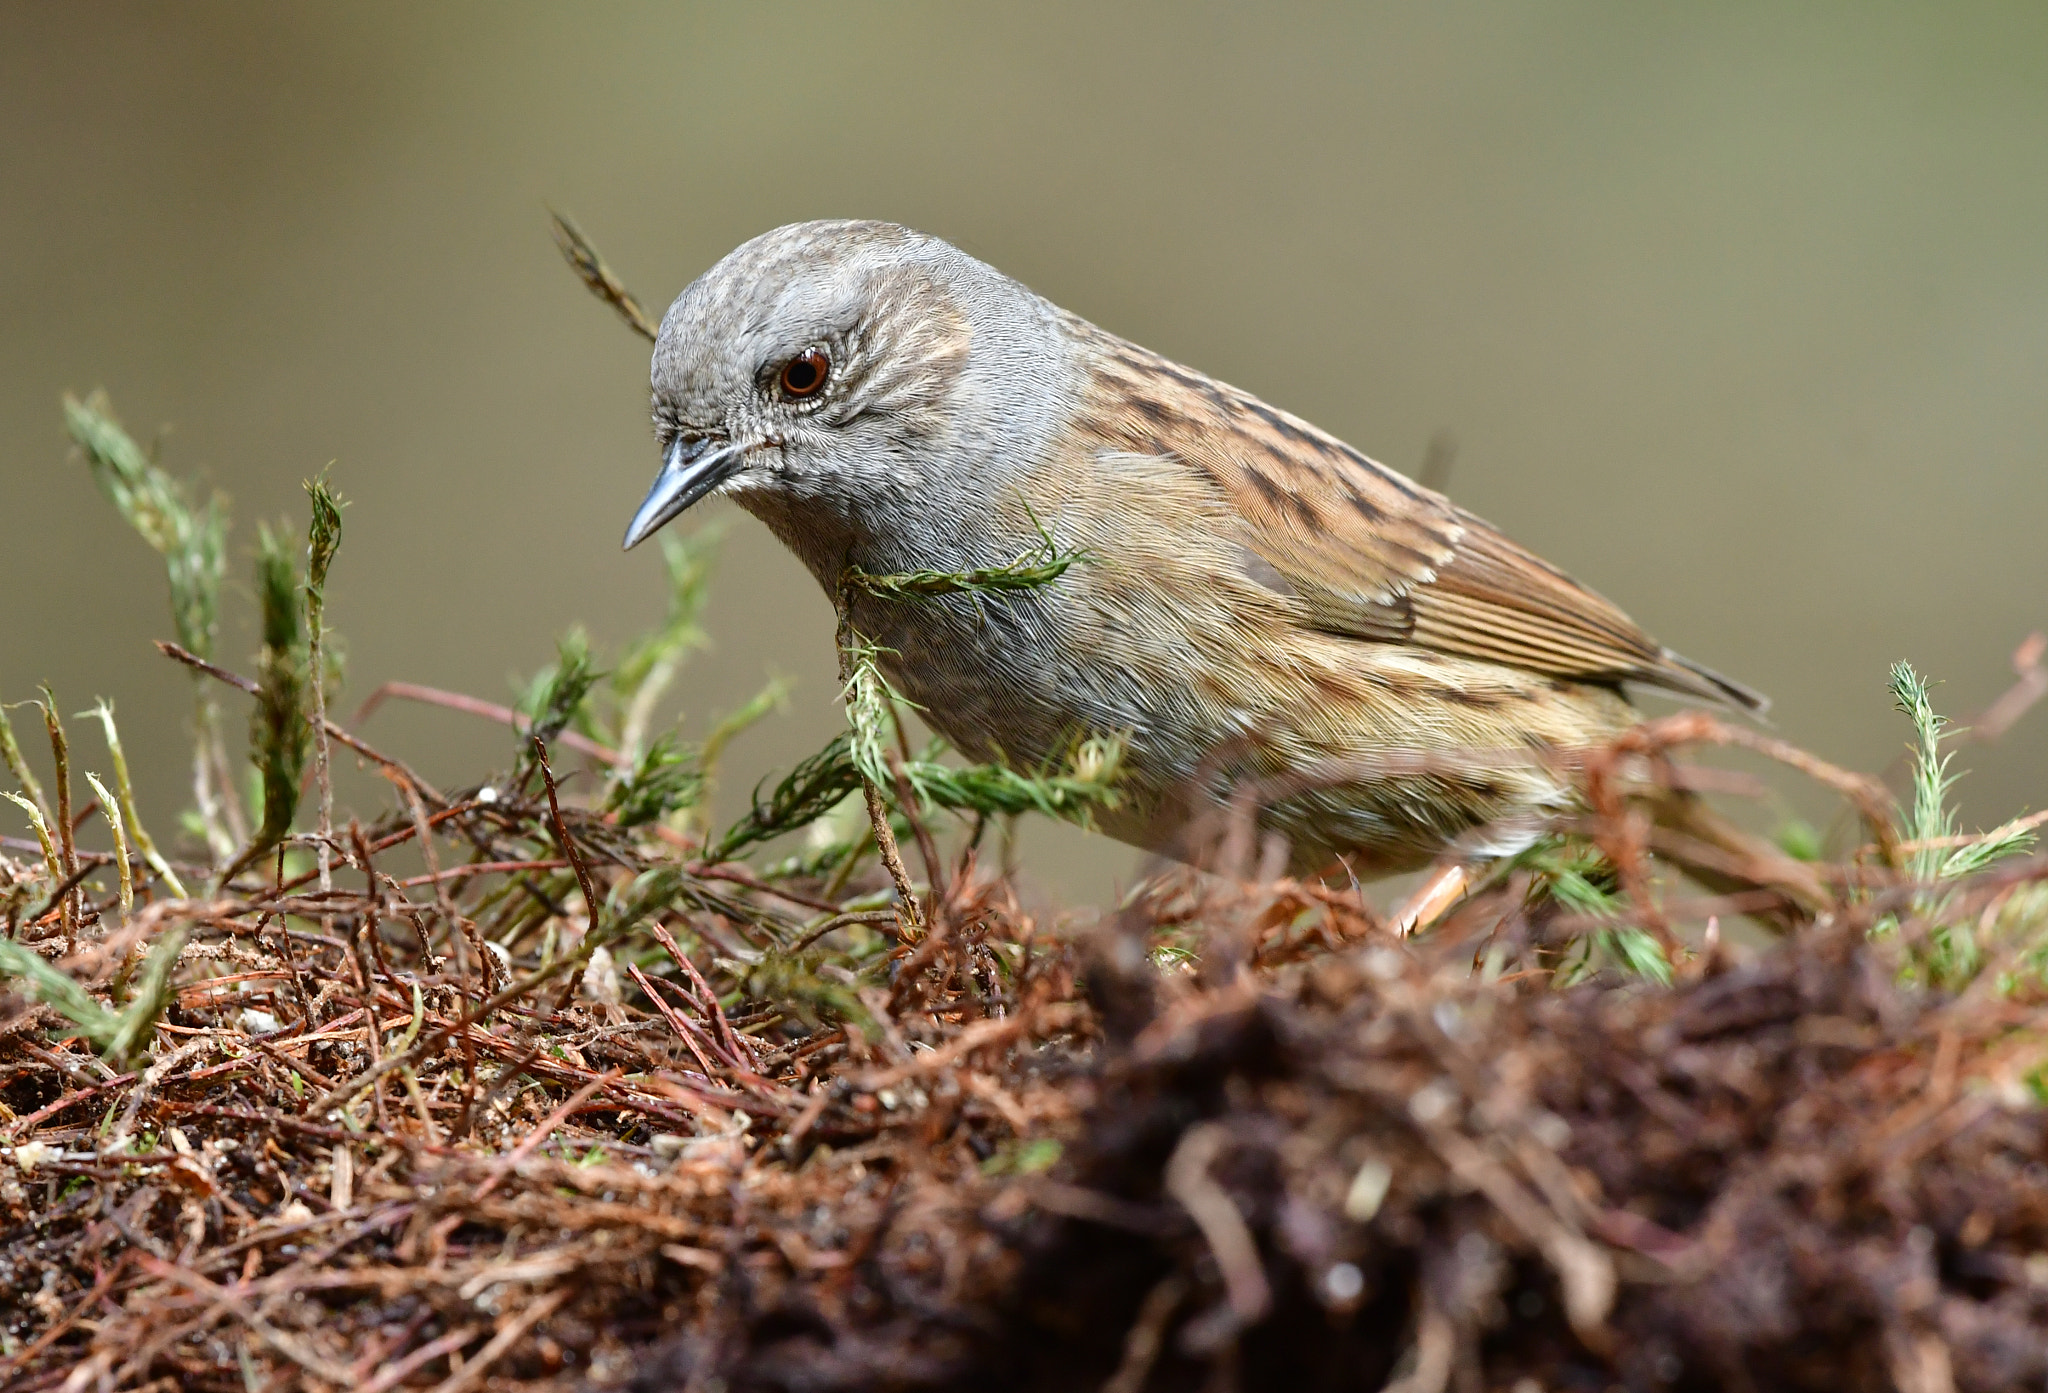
{"type": "Point", "coordinates": [677, 1021]}
{"type": "Point", "coordinates": [335, 732]}
{"type": "Point", "coordinates": [597, 277]}
{"type": "Point", "coordinates": [477, 706]}
{"type": "Point", "coordinates": [509, 1334]}
{"type": "Point", "coordinates": [2032, 684]}
{"type": "Point", "coordinates": [728, 1039]}
{"type": "Point", "coordinates": [540, 1133]}
{"type": "Point", "coordinates": [592, 904]}
{"type": "Point", "coordinates": [290, 1346]}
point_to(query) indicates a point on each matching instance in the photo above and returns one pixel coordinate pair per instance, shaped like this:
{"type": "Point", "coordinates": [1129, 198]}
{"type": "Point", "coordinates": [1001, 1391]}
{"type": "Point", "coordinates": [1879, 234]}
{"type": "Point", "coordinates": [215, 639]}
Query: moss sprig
{"type": "Point", "coordinates": [1028, 570]}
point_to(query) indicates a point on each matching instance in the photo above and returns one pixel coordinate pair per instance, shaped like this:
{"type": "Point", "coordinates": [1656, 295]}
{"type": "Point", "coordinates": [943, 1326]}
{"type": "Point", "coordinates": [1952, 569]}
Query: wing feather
{"type": "Point", "coordinates": [1369, 553]}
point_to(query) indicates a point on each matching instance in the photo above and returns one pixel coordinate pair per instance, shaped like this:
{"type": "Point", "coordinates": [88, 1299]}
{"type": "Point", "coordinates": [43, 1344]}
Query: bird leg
{"type": "Point", "coordinates": [1432, 899]}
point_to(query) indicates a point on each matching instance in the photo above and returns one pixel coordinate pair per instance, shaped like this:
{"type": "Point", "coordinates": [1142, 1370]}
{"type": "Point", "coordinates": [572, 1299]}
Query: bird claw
{"type": "Point", "coordinates": [1432, 900]}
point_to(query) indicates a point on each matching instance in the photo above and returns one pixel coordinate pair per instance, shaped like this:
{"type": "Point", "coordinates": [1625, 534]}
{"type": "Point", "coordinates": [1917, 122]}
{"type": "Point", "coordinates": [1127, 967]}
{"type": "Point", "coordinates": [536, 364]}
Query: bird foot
{"type": "Point", "coordinates": [1432, 900]}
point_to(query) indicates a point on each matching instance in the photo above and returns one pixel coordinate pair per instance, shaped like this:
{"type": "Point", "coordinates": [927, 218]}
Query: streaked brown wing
{"type": "Point", "coordinates": [1376, 556]}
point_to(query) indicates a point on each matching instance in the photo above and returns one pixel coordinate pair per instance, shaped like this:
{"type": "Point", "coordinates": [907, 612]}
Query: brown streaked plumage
{"type": "Point", "coordinates": [1260, 600]}
{"type": "Point", "coordinates": [1372, 554]}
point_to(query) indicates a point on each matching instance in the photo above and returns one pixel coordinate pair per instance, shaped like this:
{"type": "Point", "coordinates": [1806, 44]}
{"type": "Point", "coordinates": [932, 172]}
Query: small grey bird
{"type": "Point", "coordinates": [1257, 598]}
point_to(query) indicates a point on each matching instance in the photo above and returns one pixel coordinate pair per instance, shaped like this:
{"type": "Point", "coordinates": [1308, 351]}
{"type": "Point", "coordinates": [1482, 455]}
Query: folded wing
{"type": "Point", "coordinates": [1376, 556]}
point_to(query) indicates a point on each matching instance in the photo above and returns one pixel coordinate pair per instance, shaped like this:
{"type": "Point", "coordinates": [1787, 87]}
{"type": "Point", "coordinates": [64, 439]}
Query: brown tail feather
{"type": "Point", "coordinates": [1715, 687]}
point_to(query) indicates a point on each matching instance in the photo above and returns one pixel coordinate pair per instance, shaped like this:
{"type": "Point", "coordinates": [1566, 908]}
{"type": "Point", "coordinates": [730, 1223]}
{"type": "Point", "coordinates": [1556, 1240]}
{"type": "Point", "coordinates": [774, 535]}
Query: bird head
{"type": "Point", "coordinates": [836, 367]}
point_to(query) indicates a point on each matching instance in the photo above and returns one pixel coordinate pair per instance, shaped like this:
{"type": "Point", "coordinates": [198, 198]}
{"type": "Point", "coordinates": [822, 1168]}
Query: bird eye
{"type": "Point", "coordinates": [805, 373]}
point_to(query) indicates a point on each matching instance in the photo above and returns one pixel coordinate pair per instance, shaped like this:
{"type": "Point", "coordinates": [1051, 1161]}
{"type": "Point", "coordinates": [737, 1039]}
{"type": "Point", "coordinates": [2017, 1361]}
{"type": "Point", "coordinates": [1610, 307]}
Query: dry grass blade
{"type": "Point", "coordinates": [597, 277]}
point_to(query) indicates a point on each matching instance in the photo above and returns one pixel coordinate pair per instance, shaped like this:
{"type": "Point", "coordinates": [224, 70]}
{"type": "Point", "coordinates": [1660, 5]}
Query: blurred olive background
{"type": "Point", "coordinates": [1737, 312]}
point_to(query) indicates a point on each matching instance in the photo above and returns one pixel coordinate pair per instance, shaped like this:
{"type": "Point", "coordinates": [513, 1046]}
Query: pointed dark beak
{"type": "Point", "coordinates": [693, 468]}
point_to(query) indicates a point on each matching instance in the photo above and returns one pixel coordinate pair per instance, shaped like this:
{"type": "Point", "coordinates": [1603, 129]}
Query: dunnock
{"type": "Point", "coordinates": [1256, 599]}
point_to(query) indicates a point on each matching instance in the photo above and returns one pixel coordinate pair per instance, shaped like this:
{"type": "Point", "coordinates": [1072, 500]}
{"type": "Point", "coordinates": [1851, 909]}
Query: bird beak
{"type": "Point", "coordinates": [693, 468]}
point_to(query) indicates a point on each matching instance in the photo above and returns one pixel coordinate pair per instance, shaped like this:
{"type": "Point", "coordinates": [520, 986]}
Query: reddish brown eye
{"type": "Point", "coordinates": [805, 373]}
